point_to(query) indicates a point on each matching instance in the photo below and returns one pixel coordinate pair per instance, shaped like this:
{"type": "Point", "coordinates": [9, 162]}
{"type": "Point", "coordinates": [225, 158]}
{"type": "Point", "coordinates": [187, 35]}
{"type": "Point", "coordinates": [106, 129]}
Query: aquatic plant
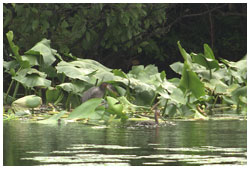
{"type": "Point", "coordinates": [204, 83]}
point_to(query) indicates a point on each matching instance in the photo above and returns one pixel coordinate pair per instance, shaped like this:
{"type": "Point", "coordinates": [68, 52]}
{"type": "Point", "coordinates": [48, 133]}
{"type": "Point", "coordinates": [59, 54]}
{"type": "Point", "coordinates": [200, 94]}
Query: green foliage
{"type": "Point", "coordinates": [222, 81]}
{"type": "Point", "coordinates": [125, 32]}
{"type": "Point", "coordinates": [87, 110]}
{"type": "Point", "coordinates": [21, 68]}
{"type": "Point", "coordinates": [13, 47]}
{"type": "Point", "coordinates": [30, 77]}
{"type": "Point", "coordinates": [53, 119]}
{"type": "Point", "coordinates": [114, 105]}
{"type": "Point", "coordinates": [33, 102]}
{"type": "Point", "coordinates": [85, 70]}
{"type": "Point", "coordinates": [141, 89]}
{"type": "Point", "coordinates": [26, 103]}
{"type": "Point", "coordinates": [90, 28]}
{"type": "Point", "coordinates": [189, 80]}
{"type": "Point", "coordinates": [52, 95]}
{"type": "Point", "coordinates": [43, 48]}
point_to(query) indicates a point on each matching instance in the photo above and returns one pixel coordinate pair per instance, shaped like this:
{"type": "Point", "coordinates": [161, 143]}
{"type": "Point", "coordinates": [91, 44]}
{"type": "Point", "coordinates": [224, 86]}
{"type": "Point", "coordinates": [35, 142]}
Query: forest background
{"type": "Point", "coordinates": [123, 35]}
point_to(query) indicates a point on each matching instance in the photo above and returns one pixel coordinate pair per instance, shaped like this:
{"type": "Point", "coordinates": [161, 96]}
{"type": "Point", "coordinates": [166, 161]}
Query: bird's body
{"type": "Point", "coordinates": [150, 123]}
{"type": "Point", "coordinates": [95, 92]}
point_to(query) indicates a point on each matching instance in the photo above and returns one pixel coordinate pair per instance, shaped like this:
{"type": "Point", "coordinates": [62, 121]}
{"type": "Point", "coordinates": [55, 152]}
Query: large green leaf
{"type": "Point", "coordinates": [138, 78]}
{"type": "Point", "coordinates": [185, 55]}
{"type": "Point", "coordinates": [207, 59]}
{"type": "Point", "coordinates": [141, 72]}
{"type": "Point", "coordinates": [128, 107]}
{"type": "Point", "coordinates": [26, 103]}
{"type": "Point", "coordinates": [31, 59]}
{"type": "Point", "coordinates": [190, 81]}
{"type": "Point", "coordinates": [43, 48]}
{"type": "Point", "coordinates": [239, 92]}
{"type": "Point", "coordinates": [238, 69]}
{"type": "Point", "coordinates": [76, 87]}
{"type": "Point", "coordinates": [52, 94]}
{"type": "Point", "coordinates": [217, 86]}
{"type": "Point", "coordinates": [14, 48]}
{"type": "Point", "coordinates": [115, 107]}
{"type": "Point", "coordinates": [205, 74]}
{"type": "Point", "coordinates": [170, 87]}
{"type": "Point", "coordinates": [31, 77]}
{"type": "Point", "coordinates": [73, 72]}
{"type": "Point", "coordinates": [53, 119]}
{"type": "Point", "coordinates": [177, 67]}
{"type": "Point", "coordinates": [85, 70]}
{"type": "Point", "coordinates": [119, 73]}
{"type": "Point", "coordinates": [87, 110]}
{"type": "Point", "coordinates": [13, 64]}
{"type": "Point", "coordinates": [208, 52]}
{"type": "Point", "coordinates": [144, 98]}
{"type": "Point", "coordinates": [177, 96]}
{"type": "Point", "coordinates": [171, 110]}
{"type": "Point", "coordinates": [90, 64]}
{"type": "Point", "coordinates": [204, 61]}
{"type": "Point", "coordinates": [145, 79]}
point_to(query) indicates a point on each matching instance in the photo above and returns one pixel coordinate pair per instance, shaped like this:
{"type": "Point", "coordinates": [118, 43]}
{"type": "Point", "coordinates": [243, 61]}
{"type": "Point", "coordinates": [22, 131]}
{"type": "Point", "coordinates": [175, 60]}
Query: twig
{"type": "Point", "coordinates": [203, 13]}
{"type": "Point", "coordinates": [168, 27]}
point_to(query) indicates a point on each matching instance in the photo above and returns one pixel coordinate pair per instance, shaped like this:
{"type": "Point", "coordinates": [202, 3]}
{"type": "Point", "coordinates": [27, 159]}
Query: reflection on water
{"type": "Point", "coordinates": [186, 143]}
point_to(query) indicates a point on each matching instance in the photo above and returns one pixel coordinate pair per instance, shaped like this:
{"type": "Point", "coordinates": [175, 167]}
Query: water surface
{"type": "Point", "coordinates": [186, 143]}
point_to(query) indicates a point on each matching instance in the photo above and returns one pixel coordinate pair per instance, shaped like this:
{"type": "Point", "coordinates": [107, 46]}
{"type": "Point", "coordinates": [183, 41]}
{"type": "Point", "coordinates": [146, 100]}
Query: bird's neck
{"type": "Point", "coordinates": [156, 116]}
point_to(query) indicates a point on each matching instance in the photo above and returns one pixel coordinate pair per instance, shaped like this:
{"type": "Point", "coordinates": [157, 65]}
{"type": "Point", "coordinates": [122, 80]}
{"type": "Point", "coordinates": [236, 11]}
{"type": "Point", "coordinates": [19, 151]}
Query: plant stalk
{"type": "Point", "coordinates": [6, 96]}
{"type": "Point", "coordinates": [16, 89]}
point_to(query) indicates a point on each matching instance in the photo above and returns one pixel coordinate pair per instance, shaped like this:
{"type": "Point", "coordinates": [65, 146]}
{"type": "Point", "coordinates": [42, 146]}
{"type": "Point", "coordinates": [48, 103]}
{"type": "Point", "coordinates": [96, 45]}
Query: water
{"type": "Point", "coordinates": [186, 143]}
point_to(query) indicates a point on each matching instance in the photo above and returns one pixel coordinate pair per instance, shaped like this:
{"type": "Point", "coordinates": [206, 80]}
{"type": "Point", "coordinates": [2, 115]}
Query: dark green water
{"type": "Point", "coordinates": [186, 143]}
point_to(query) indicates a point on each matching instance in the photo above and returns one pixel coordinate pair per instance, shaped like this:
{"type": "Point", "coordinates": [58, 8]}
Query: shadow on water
{"type": "Point", "coordinates": [186, 143]}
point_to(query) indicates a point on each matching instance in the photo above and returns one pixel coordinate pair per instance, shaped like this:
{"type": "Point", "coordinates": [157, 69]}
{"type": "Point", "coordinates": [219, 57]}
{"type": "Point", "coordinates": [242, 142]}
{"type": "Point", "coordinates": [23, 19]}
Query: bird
{"type": "Point", "coordinates": [97, 91]}
{"type": "Point", "coordinates": [150, 123]}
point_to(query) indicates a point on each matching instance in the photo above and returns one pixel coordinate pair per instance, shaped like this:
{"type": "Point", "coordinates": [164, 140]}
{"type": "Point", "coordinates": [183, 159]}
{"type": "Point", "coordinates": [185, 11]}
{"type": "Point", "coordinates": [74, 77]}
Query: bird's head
{"type": "Point", "coordinates": [104, 85]}
{"type": "Point", "coordinates": [109, 87]}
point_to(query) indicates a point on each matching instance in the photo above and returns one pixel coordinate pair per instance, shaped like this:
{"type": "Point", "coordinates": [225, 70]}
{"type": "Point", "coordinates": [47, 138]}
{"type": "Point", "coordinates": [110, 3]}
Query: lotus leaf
{"type": "Point", "coordinates": [87, 110]}
{"type": "Point", "coordinates": [76, 87]}
{"type": "Point", "coordinates": [241, 91]}
{"type": "Point", "coordinates": [115, 105]}
{"type": "Point", "coordinates": [31, 59]}
{"type": "Point", "coordinates": [52, 94]}
{"type": "Point", "coordinates": [43, 48]}
{"type": "Point", "coordinates": [218, 86]}
{"type": "Point", "coordinates": [11, 64]}
{"type": "Point", "coordinates": [74, 72]}
{"type": "Point", "coordinates": [85, 70]}
{"type": "Point", "coordinates": [191, 81]}
{"type": "Point", "coordinates": [208, 52]}
{"type": "Point", "coordinates": [178, 96]}
{"type": "Point", "coordinates": [26, 103]}
{"type": "Point", "coordinates": [53, 119]}
{"type": "Point", "coordinates": [177, 67]}
{"type": "Point", "coordinates": [14, 48]}
{"type": "Point", "coordinates": [185, 55]}
{"type": "Point", "coordinates": [204, 61]}
{"type": "Point", "coordinates": [31, 78]}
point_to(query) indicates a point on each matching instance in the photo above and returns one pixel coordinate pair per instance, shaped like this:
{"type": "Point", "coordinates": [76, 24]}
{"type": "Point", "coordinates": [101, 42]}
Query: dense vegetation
{"type": "Point", "coordinates": [204, 82]}
{"type": "Point", "coordinates": [122, 35]}
{"type": "Point", "coordinates": [88, 36]}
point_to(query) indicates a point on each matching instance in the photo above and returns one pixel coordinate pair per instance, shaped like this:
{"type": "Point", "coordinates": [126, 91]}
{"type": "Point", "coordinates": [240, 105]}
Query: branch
{"type": "Point", "coordinates": [203, 13]}
{"type": "Point", "coordinates": [167, 28]}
